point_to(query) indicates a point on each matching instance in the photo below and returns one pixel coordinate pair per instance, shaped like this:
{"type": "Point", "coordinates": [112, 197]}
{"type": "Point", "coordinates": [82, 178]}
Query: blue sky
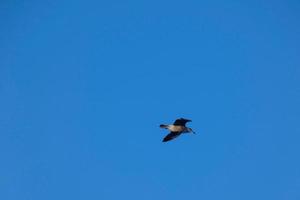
{"type": "Point", "coordinates": [85, 84]}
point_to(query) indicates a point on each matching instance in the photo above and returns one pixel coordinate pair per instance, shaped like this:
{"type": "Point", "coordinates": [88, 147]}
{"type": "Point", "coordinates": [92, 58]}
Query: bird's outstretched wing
{"type": "Point", "coordinates": [171, 136]}
{"type": "Point", "coordinates": [181, 122]}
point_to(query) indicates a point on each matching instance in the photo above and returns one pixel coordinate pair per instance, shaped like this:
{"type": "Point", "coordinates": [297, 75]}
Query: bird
{"type": "Point", "coordinates": [177, 128]}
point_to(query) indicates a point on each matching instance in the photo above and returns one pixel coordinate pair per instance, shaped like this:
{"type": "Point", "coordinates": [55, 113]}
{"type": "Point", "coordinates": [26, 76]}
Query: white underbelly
{"type": "Point", "coordinates": [173, 128]}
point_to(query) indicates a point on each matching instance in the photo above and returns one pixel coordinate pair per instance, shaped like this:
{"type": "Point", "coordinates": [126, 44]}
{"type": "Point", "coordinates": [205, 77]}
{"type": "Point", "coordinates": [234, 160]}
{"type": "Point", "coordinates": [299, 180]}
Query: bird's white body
{"type": "Point", "coordinates": [176, 128]}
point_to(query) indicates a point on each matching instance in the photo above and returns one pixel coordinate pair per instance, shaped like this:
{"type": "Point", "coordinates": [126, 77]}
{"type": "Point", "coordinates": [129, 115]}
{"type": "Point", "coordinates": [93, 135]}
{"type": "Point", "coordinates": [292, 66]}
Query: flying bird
{"type": "Point", "coordinates": [177, 128]}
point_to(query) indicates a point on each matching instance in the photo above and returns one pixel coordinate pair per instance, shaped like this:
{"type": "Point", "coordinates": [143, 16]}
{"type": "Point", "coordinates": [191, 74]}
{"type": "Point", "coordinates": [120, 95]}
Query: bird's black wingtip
{"type": "Point", "coordinates": [166, 139]}
{"type": "Point", "coordinates": [184, 119]}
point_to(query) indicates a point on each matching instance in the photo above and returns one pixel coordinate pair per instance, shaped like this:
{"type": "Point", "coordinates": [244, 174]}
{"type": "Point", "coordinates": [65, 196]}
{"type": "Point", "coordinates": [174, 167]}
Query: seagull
{"type": "Point", "coordinates": [177, 128]}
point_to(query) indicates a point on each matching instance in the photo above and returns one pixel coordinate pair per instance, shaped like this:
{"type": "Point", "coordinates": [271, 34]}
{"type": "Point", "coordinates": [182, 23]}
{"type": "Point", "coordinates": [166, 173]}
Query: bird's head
{"type": "Point", "coordinates": [191, 130]}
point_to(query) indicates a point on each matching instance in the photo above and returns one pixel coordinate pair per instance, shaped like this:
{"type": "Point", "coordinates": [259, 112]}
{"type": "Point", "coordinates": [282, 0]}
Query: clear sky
{"type": "Point", "coordinates": [84, 86]}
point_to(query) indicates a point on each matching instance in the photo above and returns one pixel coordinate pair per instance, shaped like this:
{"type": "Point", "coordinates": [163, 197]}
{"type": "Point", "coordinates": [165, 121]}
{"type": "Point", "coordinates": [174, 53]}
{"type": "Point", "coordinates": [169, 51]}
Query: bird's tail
{"type": "Point", "coordinates": [163, 126]}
